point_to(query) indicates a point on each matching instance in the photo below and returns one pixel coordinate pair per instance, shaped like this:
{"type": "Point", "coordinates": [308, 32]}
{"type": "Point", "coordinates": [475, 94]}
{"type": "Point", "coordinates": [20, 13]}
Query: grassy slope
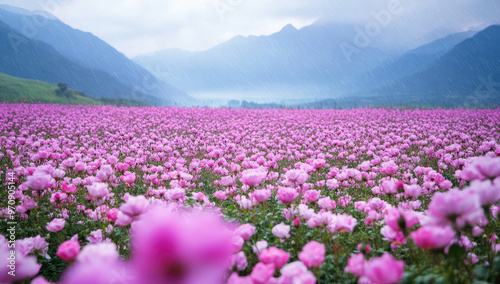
{"type": "Point", "coordinates": [15, 90]}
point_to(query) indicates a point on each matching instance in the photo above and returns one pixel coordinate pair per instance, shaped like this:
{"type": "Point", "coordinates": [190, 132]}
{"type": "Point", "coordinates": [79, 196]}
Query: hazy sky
{"type": "Point", "coordinates": [141, 26]}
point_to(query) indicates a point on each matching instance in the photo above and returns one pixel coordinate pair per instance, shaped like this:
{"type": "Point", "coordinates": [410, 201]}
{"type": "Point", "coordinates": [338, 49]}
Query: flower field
{"type": "Point", "coordinates": [105, 194]}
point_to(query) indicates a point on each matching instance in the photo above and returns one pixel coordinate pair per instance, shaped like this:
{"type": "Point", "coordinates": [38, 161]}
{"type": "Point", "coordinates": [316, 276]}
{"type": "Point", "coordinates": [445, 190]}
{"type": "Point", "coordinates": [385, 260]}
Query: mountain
{"type": "Point", "coordinates": [89, 51]}
{"type": "Point", "coordinates": [38, 61]}
{"type": "Point", "coordinates": [470, 72]}
{"type": "Point", "coordinates": [412, 62]}
{"type": "Point", "coordinates": [309, 62]}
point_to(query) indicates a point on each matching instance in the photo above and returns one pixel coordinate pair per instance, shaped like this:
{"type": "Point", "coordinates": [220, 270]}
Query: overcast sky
{"type": "Point", "coordinates": [141, 26]}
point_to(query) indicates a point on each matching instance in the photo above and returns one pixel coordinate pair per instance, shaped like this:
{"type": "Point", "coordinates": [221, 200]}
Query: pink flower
{"type": "Point", "coordinates": [128, 177]}
{"type": "Point", "coordinates": [313, 254]}
{"type": "Point", "coordinates": [245, 231]}
{"type": "Point", "coordinates": [227, 181]}
{"type": "Point", "coordinates": [261, 195]}
{"type": "Point", "coordinates": [39, 181]}
{"type": "Point", "coordinates": [123, 219]}
{"type": "Point", "coordinates": [395, 218]}
{"type": "Point", "coordinates": [487, 191]}
{"type": "Point", "coordinates": [311, 195]}
{"type": "Point", "coordinates": [98, 264]}
{"type": "Point", "coordinates": [28, 205]}
{"type": "Point", "coordinates": [356, 264]}
{"type": "Point", "coordinates": [389, 168]}
{"type": "Point", "coordinates": [296, 272]}
{"type": "Point", "coordinates": [342, 223]}
{"type": "Point", "coordinates": [327, 203]}
{"type": "Point", "coordinates": [68, 250]}
{"type": "Point", "coordinates": [253, 177]}
{"type": "Point", "coordinates": [318, 163]}
{"type": "Point", "coordinates": [377, 269]}
{"type": "Point", "coordinates": [24, 265]}
{"type": "Point", "coordinates": [122, 167]}
{"type": "Point", "coordinates": [287, 194]}
{"type": "Point", "coordinates": [259, 246]}
{"type": "Point", "coordinates": [180, 247]}
{"type": "Point", "coordinates": [281, 231]}
{"type": "Point", "coordinates": [413, 190]}
{"type": "Point", "coordinates": [135, 205]}
{"type": "Point", "coordinates": [481, 169]}
{"type": "Point", "coordinates": [433, 237]}
{"type": "Point", "coordinates": [274, 255]}
{"type": "Point", "coordinates": [455, 206]}
{"type": "Point", "coordinates": [56, 225]}
{"type": "Point", "coordinates": [261, 272]}
{"type": "Point", "coordinates": [98, 189]}
{"type": "Point", "coordinates": [68, 188]}
{"type": "Point", "coordinates": [297, 176]}
{"type": "Point", "coordinates": [112, 214]}
{"type": "Point", "coordinates": [221, 195]}
{"type": "Point", "coordinates": [239, 260]}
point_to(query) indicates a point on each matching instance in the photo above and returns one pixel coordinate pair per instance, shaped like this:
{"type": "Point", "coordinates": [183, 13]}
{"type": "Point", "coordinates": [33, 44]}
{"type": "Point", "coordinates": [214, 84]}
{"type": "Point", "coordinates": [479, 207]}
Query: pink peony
{"type": "Point", "coordinates": [68, 250]}
{"type": "Point", "coordinates": [297, 176]}
{"type": "Point", "coordinates": [39, 181]}
{"type": "Point", "coordinates": [311, 195]}
{"type": "Point", "coordinates": [128, 177]}
{"type": "Point", "coordinates": [487, 191]}
{"type": "Point", "coordinates": [281, 231]}
{"type": "Point", "coordinates": [227, 181]}
{"type": "Point", "coordinates": [135, 205]}
{"type": "Point", "coordinates": [433, 237]}
{"type": "Point", "coordinates": [356, 264]}
{"type": "Point", "coordinates": [327, 203]}
{"type": "Point", "coordinates": [313, 254]}
{"type": "Point", "coordinates": [180, 247]}
{"type": "Point", "coordinates": [245, 231]}
{"type": "Point", "coordinates": [262, 272]}
{"type": "Point", "coordinates": [377, 269]}
{"type": "Point", "coordinates": [25, 266]}
{"type": "Point", "coordinates": [460, 207]}
{"type": "Point", "coordinates": [56, 225]}
{"type": "Point", "coordinates": [112, 214]}
{"type": "Point", "coordinates": [389, 168]}
{"type": "Point", "coordinates": [274, 255]}
{"type": "Point", "coordinates": [287, 194]}
{"type": "Point", "coordinates": [253, 177]}
{"type": "Point", "coordinates": [98, 190]}
{"type": "Point", "coordinates": [261, 195]}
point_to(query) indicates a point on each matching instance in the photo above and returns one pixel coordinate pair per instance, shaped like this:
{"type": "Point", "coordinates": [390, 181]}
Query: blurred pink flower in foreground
{"type": "Point", "coordinates": [433, 237]}
{"type": "Point", "coordinates": [180, 247]}
{"type": "Point", "coordinates": [24, 265]}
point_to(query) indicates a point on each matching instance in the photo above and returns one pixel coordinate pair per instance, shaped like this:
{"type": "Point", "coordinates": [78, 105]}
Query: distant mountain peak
{"type": "Point", "coordinates": [288, 28]}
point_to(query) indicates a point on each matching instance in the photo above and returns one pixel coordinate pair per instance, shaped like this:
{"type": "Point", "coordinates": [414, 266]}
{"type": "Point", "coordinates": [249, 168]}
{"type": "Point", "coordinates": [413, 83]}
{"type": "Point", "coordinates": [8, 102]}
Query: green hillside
{"type": "Point", "coordinates": [17, 90]}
